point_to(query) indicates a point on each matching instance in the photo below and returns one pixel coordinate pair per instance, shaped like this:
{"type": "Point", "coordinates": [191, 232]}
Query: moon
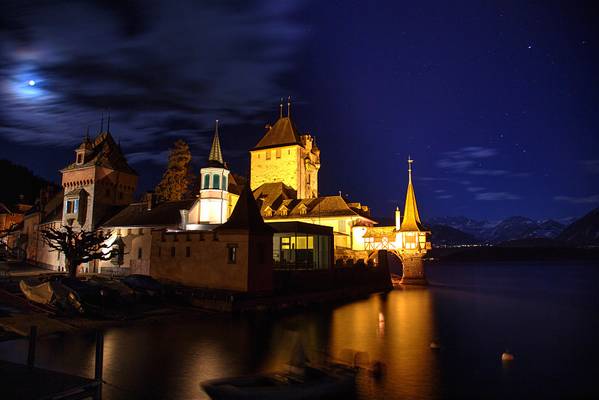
{"type": "Point", "coordinates": [31, 82]}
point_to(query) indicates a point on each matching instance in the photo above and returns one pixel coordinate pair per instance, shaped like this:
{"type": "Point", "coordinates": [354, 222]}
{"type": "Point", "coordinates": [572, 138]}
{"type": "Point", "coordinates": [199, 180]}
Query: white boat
{"type": "Point", "coordinates": [51, 293]}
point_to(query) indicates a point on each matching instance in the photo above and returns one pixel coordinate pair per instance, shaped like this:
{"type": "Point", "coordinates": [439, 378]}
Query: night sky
{"type": "Point", "coordinates": [498, 102]}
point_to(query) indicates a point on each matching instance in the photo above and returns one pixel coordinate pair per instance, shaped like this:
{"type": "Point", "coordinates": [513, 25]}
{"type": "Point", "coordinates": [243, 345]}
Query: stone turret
{"type": "Point", "coordinates": [214, 179]}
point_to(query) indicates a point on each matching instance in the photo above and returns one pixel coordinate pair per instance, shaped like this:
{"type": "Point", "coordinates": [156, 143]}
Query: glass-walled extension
{"type": "Point", "coordinates": [302, 246]}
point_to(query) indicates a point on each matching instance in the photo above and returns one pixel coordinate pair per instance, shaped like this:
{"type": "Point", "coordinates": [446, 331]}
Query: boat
{"type": "Point", "coordinates": [114, 291]}
{"type": "Point", "coordinates": [51, 293]}
{"type": "Point", "coordinates": [330, 382]}
{"type": "Point", "coordinates": [143, 284]}
{"type": "Point", "coordinates": [301, 382]}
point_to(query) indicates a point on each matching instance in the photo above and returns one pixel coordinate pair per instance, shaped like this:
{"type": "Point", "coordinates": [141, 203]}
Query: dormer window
{"type": "Point", "coordinates": [80, 158]}
{"type": "Point", "coordinates": [303, 210]}
{"type": "Point", "coordinates": [268, 212]}
{"type": "Point", "coordinates": [283, 211]}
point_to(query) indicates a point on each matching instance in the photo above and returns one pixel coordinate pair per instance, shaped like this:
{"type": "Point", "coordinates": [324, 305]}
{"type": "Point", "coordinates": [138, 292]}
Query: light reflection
{"type": "Point", "coordinates": [400, 333]}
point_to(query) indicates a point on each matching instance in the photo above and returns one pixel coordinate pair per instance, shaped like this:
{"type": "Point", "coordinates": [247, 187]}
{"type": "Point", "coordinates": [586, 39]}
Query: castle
{"type": "Point", "coordinates": [234, 233]}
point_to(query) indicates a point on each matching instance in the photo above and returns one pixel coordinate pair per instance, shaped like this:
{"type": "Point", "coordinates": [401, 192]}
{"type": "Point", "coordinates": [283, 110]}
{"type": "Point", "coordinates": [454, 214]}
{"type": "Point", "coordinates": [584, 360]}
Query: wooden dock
{"type": "Point", "coordinates": [25, 381]}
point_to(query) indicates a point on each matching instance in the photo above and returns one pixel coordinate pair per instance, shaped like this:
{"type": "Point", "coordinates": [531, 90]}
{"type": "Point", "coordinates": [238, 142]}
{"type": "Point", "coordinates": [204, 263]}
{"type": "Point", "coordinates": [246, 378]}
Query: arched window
{"type": "Point", "coordinates": [225, 187]}
{"type": "Point", "coordinates": [215, 182]}
{"type": "Point", "coordinates": [206, 182]}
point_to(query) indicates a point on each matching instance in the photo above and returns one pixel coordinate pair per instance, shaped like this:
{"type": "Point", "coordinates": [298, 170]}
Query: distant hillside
{"type": "Point", "coordinates": [19, 184]}
{"type": "Point", "coordinates": [513, 228]}
{"type": "Point", "coordinates": [584, 231]}
{"type": "Point", "coordinates": [443, 235]}
{"type": "Point", "coordinates": [470, 226]}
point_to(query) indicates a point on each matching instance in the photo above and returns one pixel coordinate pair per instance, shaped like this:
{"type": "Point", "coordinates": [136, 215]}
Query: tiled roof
{"type": "Point", "coordinates": [106, 153]}
{"type": "Point", "coordinates": [53, 209]}
{"type": "Point", "coordinates": [137, 214]}
{"type": "Point", "coordinates": [276, 195]}
{"type": "Point", "coordinates": [246, 215]}
{"type": "Point", "coordinates": [283, 132]}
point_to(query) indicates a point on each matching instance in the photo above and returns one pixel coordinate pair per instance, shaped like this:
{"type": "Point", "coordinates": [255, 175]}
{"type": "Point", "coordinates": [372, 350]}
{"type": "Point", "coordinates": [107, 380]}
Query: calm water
{"type": "Point", "coordinates": [546, 314]}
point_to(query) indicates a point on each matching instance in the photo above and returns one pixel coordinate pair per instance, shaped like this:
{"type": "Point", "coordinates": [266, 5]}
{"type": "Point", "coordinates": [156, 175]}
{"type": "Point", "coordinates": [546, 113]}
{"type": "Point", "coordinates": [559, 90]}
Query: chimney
{"type": "Point", "coordinates": [150, 200]}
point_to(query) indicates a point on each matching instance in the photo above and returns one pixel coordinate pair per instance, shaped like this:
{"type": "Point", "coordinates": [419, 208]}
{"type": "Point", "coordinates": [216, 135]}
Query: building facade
{"type": "Point", "coordinates": [233, 233]}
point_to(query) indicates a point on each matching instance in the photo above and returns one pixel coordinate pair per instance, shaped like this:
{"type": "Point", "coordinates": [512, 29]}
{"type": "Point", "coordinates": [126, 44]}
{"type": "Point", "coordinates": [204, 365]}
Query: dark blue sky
{"type": "Point", "coordinates": [497, 102]}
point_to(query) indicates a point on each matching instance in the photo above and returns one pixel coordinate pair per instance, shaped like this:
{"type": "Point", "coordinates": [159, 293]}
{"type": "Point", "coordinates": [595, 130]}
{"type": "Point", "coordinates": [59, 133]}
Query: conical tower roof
{"type": "Point", "coordinates": [246, 215]}
{"type": "Point", "coordinates": [215, 159]}
{"type": "Point", "coordinates": [282, 133]}
{"type": "Point", "coordinates": [411, 218]}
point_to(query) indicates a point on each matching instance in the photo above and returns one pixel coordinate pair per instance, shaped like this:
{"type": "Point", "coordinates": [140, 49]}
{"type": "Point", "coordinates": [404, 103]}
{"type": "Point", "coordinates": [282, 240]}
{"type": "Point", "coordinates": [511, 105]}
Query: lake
{"type": "Point", "coordinates": [546, 314]}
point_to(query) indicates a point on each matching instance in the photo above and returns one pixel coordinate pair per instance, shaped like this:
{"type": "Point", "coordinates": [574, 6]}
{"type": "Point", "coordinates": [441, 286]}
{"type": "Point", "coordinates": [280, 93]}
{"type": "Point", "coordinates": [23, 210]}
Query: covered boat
{"type": "Point", "coordinates": [51, 293]}
{"type": "Point", "coordinates": [300, 382]}
{"type": "Point", "coordinates": [335, 381]}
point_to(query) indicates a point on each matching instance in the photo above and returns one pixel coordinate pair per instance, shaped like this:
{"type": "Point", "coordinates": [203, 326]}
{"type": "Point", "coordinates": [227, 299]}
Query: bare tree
{"type": "Point", "coordinates": [79, 246]}
{"type": "Point", "coordinates": [9, 231]}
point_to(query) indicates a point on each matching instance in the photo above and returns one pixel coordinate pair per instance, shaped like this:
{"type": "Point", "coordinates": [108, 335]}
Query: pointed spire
{"type": "Point", "coordinates": [108, 128]}
{"type": "Point", "coordinates": [246, 215]}
{"type": "Point", "coordinates": [288, 106]}
{"type": "Point", "coordinates": [411, 218]}
{"type": "Point", "coordinates": [281, 108]}
{"type": "Point", "coordinates": [87, 134]}
{"type": "Point", "coordinates": [216, 155]}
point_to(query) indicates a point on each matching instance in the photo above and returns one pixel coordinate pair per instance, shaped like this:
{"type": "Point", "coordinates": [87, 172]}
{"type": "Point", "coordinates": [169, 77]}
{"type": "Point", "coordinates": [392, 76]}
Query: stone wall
{"type": "Point", "coordinates": [279, 164]}
{"type": "Point", "coordinates": [201, 259]}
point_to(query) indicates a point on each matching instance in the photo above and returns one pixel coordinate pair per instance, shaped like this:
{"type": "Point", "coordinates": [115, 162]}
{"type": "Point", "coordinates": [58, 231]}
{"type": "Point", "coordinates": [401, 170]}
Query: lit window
{"type": "Point", "coordinates": [216, 182]}
{"type": "Point", "coordinates": [232, 253]}
{"type": "Point", "coordinates": [72, 206]}
{"type": "Point", "coordinates": [278, 153]}
{"type": "Point", "coordinates": [268, 154]}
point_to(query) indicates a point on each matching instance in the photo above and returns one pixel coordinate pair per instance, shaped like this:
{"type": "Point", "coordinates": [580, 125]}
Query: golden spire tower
{"type": "Point", "coordinates": [411, 218]}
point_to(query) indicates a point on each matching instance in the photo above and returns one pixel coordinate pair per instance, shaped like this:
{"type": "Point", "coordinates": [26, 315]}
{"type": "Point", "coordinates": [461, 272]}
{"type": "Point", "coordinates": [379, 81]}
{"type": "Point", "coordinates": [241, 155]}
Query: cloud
{"type": "Point", "coordinates": [468, 161]}
{"type": "Point", "coordinates": [591, 166]}
{"type": "Point", "coordinates": [164, 71]}
{"type": "Point", "coordinates": [593, 199]}
{"type": "Point", "coordinates": [472, 152]}
{"type": "Point", "coordinates": [475, 188]}
{"type": "Point", "coordinates": [143, 156]}
{"type": "Point", "coordinates": [465, 159]}
{"type": "Point", "coordinates": [487, 172]}
{"type": "Point", "coordinates": [496, 196]}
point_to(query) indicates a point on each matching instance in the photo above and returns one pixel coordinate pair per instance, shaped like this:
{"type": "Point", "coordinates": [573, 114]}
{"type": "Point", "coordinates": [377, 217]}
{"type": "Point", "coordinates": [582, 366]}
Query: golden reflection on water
{"type": "Point", "coordinates": [397, 328]}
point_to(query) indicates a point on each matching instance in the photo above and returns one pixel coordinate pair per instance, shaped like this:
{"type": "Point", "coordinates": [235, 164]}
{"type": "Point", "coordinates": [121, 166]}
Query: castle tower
{"type": "Point", "coordinates": [412, 238]}
{"type": "Point", "coordinates": [214, 179]}
{"type": "Point", "coordinates": [283, 155]}
{"type": "Point", "coordinates": [96, 182]}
